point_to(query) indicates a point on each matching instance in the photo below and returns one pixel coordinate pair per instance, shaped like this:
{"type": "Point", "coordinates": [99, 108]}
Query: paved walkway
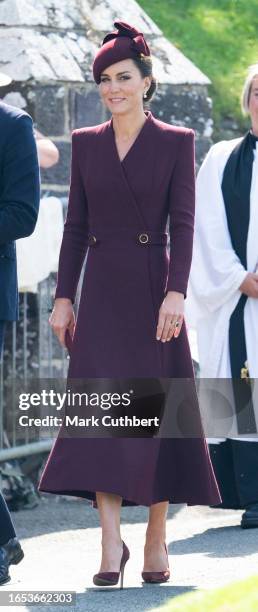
{"type": "Point", "coordinates": [61, 541]}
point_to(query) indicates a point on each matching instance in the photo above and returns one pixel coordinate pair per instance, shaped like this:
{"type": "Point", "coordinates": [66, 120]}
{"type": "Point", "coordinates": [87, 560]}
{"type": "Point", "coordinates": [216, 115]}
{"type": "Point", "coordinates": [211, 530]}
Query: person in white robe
{"type": "Point", "coordinates": [218, 280]}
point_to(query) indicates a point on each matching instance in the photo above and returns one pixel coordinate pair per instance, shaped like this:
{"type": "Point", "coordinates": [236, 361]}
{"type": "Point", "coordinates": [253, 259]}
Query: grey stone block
{"type": "Point", "coordinates": [202, 146]}
{"type": "Point", "coordinates": [186, 106]}
{"type": "Point", "coordinates": [183, 105]}
{"type": "Point", "coordinates": [47, 105]}
{"type": "Point", "coordinates": [85, 107]}
{"type": "Point", "coordinates": [60, 173]}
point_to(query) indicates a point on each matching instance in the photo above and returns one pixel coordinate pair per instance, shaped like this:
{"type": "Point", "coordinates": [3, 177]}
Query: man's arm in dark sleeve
{"type": "Point", "coordinates": [19, 199]}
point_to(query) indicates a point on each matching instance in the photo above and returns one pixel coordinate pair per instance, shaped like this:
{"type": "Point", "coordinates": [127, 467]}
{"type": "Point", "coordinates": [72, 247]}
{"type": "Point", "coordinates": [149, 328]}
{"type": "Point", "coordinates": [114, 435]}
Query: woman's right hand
{"type": "Point", "coordinates": [249, 285]}
{"type": "Point", "coordinates": [62, 318]}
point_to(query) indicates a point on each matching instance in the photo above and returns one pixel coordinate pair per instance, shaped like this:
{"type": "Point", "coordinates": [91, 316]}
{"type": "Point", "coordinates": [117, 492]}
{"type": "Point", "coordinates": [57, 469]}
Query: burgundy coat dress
{"type": "Point", "coordinates": [111, 204]}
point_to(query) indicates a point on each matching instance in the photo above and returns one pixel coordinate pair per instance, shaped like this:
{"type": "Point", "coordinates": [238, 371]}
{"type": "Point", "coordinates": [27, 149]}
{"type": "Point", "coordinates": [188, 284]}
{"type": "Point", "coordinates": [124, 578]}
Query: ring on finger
{"type": "Point", "coordinates": [175, 324]}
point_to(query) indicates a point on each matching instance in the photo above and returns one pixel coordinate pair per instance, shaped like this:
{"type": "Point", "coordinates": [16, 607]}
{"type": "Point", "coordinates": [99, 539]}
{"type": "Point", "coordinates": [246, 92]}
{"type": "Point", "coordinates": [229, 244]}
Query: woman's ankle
{"type": "Point", "coordinates": [111, 539]}
{"type": "Point", "coordinates": [155, 537]}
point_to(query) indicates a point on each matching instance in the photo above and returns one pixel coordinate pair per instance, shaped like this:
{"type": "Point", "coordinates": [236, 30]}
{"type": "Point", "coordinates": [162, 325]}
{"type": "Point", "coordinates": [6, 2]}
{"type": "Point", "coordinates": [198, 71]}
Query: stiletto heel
{"type": "Point", "coordinates": [163, 576]}
{"type": "Point", "coordinates": [111, 578]}
{"type": "Point", "coordinates": [122, 578]}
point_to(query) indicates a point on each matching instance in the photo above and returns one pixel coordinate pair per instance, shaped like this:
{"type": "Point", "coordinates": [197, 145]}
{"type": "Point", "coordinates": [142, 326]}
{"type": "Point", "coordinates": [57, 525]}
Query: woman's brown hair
{"type": "Point", "coordinates": [144, 64]}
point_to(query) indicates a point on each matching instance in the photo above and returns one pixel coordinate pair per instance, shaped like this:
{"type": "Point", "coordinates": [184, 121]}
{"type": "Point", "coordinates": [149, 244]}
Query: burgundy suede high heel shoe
{"type": "Point", "coordinates": [111, 578]}
{"type": "Point", "coordinates": [157, 576]}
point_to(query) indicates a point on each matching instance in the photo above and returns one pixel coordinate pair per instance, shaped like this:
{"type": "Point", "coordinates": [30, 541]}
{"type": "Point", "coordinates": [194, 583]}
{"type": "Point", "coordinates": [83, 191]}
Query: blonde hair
{"type": "Point", "coordinates": [245, 97]}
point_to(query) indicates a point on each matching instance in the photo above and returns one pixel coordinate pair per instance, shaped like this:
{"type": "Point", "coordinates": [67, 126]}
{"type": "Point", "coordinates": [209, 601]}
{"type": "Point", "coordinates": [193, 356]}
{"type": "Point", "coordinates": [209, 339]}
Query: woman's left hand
{"type": "Point", "coordinates": [171, 311]}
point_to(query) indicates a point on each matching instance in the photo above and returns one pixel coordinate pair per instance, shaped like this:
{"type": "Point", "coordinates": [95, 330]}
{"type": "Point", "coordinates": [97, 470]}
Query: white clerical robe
{"type": "Point", "coordinates": [217, 272]}
{"type": "Point", "coordinates": [37, 254]}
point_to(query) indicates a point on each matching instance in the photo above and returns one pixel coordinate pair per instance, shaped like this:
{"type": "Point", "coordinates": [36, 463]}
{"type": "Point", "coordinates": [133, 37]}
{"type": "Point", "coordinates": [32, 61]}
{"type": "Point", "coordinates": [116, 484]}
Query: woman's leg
{"type": "Point", "coordinates": [155, 558]}
{"type": "Point", "coordinates": [109, 506]}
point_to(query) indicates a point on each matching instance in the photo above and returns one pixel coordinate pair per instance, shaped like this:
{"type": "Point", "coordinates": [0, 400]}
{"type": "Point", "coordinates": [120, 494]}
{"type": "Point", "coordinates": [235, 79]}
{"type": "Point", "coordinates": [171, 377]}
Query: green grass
{"type": "Point", "coordinates": [219, 36]}
{"type": "Point", "coordinates": [238, 597]}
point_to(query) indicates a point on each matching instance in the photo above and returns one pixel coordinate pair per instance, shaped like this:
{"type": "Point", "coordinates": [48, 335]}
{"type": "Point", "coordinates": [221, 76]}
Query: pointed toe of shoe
{"type": "Point", "coordinates": [106, 578]}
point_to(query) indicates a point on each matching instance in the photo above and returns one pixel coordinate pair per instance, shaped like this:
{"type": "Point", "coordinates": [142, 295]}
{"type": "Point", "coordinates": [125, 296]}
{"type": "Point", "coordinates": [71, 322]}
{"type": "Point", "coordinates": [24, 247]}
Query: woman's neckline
{"type": "Point", "coordinates": [148, 114]}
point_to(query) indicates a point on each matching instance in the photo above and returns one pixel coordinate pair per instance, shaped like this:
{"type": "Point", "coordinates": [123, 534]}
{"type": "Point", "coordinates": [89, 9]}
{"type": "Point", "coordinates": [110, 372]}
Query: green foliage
{"type": "Point", "coordinates": [219, 36]}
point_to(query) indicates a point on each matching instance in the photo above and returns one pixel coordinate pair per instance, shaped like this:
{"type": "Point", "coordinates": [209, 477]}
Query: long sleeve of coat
{"type": "Point", "coordinates": [19, 198]}
{"type": "Point", "coordinates": [75, 237]}
{"type": "Point", "coordinates": [181, 215]}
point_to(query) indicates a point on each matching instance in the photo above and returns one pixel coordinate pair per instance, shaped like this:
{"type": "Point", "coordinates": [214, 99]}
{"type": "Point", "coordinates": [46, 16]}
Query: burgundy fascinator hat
{"type": "Point", "coordinates": [125, 42]}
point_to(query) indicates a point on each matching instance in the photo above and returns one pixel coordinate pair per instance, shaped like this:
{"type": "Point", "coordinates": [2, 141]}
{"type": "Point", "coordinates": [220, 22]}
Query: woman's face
{"type": "Point", "coordinates": [253, 101]}
{"type": "Point", "coordinates": [122, 87]}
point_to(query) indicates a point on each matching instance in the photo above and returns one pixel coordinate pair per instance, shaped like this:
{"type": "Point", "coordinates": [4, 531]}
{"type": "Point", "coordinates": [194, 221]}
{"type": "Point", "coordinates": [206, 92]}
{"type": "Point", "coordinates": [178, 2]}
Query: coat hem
{"type": "Point", "coordinates": [91, 495]}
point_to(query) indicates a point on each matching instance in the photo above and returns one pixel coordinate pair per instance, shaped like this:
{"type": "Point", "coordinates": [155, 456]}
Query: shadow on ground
{"type": "Point", "coordinates": [219, 542]}
{"type": "Point", "coordinates": [56, 513]}
{"type": "Point", "coordinates": [145, 598]}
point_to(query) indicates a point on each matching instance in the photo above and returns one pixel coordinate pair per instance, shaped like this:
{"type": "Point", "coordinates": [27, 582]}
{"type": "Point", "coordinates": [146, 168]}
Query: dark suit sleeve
{"type": "Point", "coordinates": [75, 237]}
{"type": "Point", "coordinates": [181, 215]}
{"type": "Point", "coordinates": [19, 200]}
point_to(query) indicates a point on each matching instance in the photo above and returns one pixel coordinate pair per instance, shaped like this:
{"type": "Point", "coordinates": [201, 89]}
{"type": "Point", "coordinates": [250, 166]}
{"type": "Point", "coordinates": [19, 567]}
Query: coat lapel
{"type": "Point", "coordinates": [136, 152]}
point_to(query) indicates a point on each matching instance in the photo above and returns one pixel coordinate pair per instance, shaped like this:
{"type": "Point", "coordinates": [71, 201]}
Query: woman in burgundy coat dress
{"type": "Point", "coordinates": [129, 175]}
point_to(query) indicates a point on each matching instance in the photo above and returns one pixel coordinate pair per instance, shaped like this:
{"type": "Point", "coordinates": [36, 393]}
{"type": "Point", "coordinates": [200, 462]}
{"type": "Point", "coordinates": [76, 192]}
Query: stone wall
{"type": "Point", "coordinates": [48, 48]}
